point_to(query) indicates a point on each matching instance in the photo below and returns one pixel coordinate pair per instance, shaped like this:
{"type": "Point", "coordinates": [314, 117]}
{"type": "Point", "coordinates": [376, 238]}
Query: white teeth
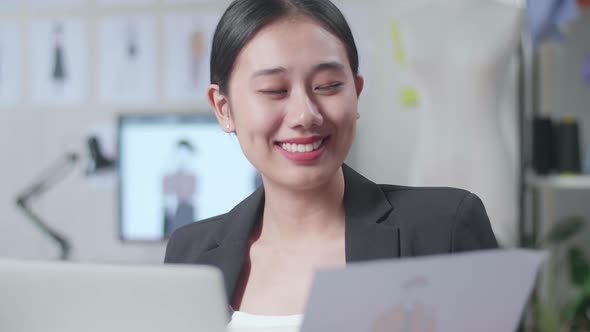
{"type": "Point", "coordinates": [301, 147]}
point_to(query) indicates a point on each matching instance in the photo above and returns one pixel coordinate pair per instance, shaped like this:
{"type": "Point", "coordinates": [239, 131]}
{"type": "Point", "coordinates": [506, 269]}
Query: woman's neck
{"type": "Point", "coordinates": [292, 215]}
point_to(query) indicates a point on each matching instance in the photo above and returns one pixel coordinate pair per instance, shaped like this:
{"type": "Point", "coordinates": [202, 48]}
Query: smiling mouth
{"type": "Point", "coordinates": [301, 148]}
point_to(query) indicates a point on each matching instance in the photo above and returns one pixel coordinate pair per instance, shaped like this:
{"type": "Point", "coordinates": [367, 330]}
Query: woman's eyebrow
{"type": "Point", "coordinates": [332, 65]}
{"type": "Point", "coordinates": [269, 71]}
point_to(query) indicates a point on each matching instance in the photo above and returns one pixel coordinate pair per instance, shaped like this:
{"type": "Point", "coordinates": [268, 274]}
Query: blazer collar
{"type": "Point", "coordinates": [370, 232]}
{"type": "Point", "coordinates": [232, 239]}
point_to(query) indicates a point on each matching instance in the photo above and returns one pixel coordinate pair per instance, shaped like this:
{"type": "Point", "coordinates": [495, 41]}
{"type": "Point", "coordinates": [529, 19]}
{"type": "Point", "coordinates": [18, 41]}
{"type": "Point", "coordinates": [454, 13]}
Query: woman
{"type": "Point", "coordinates": [285, 80]}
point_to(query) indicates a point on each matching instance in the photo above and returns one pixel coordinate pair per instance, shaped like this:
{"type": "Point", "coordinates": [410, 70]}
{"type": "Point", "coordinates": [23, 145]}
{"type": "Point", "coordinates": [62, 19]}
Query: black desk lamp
{"type": "Point", "coordinates": [50, 177]}
{"type": "Point", "coordinates": [97, 162]}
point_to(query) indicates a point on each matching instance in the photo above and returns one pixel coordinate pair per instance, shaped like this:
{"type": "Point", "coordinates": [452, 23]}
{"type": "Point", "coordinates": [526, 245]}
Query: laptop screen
{"type": "Point", "coordinates": [174, 170]}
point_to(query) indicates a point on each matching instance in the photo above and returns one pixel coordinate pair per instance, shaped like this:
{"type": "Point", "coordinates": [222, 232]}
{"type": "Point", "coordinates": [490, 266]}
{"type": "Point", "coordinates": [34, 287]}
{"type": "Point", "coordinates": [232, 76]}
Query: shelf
{"type": "Point", "coordinates": [554, 181]}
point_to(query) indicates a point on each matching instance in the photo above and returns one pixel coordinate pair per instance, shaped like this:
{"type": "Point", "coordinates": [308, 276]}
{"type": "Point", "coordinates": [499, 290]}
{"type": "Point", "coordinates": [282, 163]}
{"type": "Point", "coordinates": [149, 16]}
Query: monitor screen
{"type": "Point", "coordinates": [175, 170]}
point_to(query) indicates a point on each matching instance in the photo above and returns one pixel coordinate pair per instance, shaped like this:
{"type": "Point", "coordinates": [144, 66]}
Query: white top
{"type": "Point", "coordinates": [245, 322]}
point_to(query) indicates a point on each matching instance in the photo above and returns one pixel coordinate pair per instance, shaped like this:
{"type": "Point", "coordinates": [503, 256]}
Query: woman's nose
{"type": "Point", "coordinates": [303, 111]}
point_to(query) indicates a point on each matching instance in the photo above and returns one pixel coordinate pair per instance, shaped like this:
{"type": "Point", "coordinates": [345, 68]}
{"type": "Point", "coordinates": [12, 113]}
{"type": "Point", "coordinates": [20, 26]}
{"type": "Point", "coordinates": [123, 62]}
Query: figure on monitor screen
{"type": "Point", "coordinates": [179, 190]}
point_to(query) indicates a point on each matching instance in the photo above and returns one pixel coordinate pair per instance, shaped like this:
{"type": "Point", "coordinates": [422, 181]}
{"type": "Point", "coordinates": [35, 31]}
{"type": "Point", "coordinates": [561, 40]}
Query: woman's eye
{"type": "Point", "coordinates": [329, 87]}
{"type": "Point", "coordinates": [274, 92]}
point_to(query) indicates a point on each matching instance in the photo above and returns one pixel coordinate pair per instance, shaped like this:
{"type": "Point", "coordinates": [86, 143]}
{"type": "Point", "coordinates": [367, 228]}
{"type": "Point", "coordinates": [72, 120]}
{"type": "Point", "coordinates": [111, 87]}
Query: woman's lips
{"type": "Point", "coordinates": [310, 149]}
{"type": "Point", "coordinates": [303, 140]}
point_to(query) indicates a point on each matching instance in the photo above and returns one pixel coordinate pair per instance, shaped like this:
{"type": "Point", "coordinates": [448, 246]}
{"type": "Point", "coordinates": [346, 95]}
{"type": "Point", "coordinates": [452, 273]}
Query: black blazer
{"type": "Point", "coordinates": [382, 221]}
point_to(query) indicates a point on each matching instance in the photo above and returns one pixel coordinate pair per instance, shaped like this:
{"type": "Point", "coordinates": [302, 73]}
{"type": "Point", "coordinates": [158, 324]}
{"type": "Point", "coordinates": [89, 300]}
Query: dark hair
{"type": "Point", "coordinates": [244, 18]}
{"type": "Point", "coordinates": [183, 143]}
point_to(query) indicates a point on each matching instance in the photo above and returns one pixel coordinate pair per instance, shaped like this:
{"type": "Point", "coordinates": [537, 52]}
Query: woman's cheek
{"type": "Point", "coordinates": [343, 113]}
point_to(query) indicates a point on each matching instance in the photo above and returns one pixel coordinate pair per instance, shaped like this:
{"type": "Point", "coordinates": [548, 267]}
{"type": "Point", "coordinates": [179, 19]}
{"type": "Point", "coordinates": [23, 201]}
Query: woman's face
{"type": "Point", "coordinates": [292, 102]}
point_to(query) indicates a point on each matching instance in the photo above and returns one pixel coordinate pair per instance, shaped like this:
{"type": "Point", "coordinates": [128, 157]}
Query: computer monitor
{"type": "Point", "coordinates": [175, 169]}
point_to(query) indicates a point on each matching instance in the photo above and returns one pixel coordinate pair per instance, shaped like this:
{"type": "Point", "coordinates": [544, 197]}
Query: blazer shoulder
{"type": "Point", "coordinates": [189, 241]}
{"type": "Point", "coordinates": [429, 199]}
{"type": "Point", "coordinates": [442, 218]}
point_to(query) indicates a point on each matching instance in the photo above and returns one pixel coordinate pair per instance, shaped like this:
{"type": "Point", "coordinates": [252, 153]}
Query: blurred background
{"type": "Point", "coordinates": [107, 143]}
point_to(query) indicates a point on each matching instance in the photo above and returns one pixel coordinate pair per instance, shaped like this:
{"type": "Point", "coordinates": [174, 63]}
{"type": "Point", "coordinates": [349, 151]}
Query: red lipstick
{"type": "Point", "coordinates": [302, 140]}
{"type": "Point", "coordinates": [304, 156]}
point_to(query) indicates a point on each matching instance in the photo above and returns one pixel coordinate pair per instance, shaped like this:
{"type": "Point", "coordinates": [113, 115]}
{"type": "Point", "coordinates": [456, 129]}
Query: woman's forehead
{"type": "Point", "coordinates": [291, 42]}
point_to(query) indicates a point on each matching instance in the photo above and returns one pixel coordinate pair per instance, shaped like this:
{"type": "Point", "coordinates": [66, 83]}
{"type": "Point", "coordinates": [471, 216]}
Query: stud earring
{"type": "Point", "coordinates": [227, 126]}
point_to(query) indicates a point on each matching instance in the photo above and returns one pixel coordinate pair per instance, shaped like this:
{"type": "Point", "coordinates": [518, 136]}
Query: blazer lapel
{"type": "Point", "coordinates": [232, 240]}
{"type": "Point", "coordinates": [372, 231]}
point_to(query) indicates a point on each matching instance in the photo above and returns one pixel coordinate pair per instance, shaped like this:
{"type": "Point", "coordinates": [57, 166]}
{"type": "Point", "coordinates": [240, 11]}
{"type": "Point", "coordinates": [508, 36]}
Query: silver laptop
{"type": "Point", "coordinates": [75, 297]}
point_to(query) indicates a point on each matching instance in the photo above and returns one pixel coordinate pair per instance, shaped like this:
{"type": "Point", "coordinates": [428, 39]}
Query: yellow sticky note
{"type": "Point", "coordinates": [399, 53]}
{"type": "Point", "coordinates": [408, 97]}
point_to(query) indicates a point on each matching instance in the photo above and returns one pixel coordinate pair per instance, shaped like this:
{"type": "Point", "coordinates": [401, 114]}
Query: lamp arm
{"type": "Point", "coordinates": [61, 240]}
{"type": "Point", "coordinates": [48, 178]}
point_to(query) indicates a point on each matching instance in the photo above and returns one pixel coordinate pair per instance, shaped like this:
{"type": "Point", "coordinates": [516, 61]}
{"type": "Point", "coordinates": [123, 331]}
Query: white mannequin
{"type": "Point", "coordinates": [459, 52]}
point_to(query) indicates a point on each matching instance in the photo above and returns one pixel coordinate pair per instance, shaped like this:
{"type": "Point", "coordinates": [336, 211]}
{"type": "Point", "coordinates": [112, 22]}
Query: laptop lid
{"type": "Point", "coordinates": [75, 297]}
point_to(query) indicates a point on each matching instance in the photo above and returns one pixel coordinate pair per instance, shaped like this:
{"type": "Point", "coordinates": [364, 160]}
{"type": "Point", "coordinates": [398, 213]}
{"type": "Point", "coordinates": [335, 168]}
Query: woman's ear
{"type": "Point", "coordinates": [220, 104]}
{"type": "Point", "coordinates": [360, 84]}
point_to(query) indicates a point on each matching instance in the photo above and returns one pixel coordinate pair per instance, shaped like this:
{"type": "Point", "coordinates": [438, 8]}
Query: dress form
{"type": "Point", "coordinates": [459, 53]}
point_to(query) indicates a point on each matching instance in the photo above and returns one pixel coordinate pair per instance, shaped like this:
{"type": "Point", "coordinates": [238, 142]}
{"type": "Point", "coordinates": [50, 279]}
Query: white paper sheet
{"type": "Point", "coordinates": [480, 291]}
{"type": "Point", "coordinates": [60, 65]}
{"type": "Point", "coordinates": [127, 59]}
{"type": "Point", "coordinates": [188, 47]}
{"type": "Point", "coordinates": [10, 64]}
